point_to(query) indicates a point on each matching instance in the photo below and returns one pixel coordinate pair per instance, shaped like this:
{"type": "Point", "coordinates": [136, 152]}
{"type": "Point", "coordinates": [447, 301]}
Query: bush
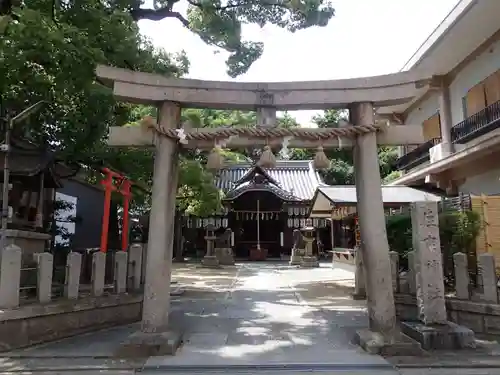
{"type": "Point", "coordinates": [400, 237]}
{"type": "Point", "coordinates": [458, 231]}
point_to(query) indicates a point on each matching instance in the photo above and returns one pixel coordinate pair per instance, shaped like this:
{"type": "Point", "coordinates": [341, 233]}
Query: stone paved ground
{"type": "Point", "coordinates": [269, 316]}
{"type": "Point", "coordinates": [254, 314]}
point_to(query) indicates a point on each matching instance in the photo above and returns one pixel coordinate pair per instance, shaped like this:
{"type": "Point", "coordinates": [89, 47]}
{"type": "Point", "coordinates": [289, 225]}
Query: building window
{"type": "Point", "coordinates": [476, 99]}
{"type": "Point", "coordinates": [432, 127]}
{"type": "Point", "coordinates": [492, 88]}
{"type": "Point", "coordinates": [484, 94]}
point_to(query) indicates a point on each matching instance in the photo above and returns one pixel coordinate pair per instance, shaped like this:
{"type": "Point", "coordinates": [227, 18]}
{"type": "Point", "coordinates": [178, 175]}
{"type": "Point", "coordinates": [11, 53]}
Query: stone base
{"type": "Point", "coordinates": [358, 296]}
{"type": "Point", "coordinates": [309, 262]}
{"type": "Point", "coordinates": [376, 343]}
{"type": "Point", "coordinates": [143, 345]}
{"type": "Point", "coordinates": [210, 261]}
{"type": "Point", "coordinates": [447, 336]}
{"type": "Point", "coordinates": [295, 260]}
{"type": "Point", "coordinates": [225, 256]}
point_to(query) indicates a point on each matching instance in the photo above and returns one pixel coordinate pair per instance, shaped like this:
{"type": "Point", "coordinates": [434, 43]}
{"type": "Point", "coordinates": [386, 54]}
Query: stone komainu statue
{"type": "Point", "coordinates": [223, 250]}
{"type": "Point", "coordinates": [298, 240]}
{"type": "Point", "coordinates": [224, 241]}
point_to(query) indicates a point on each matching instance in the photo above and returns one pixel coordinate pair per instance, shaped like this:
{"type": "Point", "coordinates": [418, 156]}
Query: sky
{"type": "Point", "coordinates": [365, 38]}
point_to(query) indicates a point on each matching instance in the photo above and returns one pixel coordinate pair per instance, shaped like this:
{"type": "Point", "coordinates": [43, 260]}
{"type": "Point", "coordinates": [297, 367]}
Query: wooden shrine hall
{"type": "Point", "coordinates": [262, 207]}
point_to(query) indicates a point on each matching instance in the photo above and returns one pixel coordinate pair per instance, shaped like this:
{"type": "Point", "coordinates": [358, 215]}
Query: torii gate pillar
{"type": "Point", "coordinates": [156, 304]}
{"type": "Point", "coordinates": [155, 336]}
{"type": "Point", "coordinates": [374, 245]}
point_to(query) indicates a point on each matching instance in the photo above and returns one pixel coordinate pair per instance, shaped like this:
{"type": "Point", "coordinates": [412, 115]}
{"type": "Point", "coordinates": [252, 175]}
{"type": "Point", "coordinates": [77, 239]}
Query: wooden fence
{"type": "Point", "coordinates": [488, 240]}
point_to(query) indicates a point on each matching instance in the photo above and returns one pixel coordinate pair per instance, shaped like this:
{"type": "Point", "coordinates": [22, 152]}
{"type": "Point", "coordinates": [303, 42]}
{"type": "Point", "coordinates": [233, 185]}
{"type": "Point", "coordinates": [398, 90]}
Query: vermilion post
{"type": "Point", "coordinates": [107, 182]}
{"type": "Point", "coordinates": [125, 191]}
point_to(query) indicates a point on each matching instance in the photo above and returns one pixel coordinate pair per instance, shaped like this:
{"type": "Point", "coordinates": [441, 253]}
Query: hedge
{"type": "Point", "coordinates": [458, 231]}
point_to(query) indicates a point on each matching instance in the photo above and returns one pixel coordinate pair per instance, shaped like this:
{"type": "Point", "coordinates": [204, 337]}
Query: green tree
{"type": "Point", "coordinates": [54, 60]}
{"type": "Point", "coordinates": [329, 119]}
{"type": "Point", "coordinates": [51, 51]}
{"type": "Point", "coordinates": [216, 23]}
{"type": "Point", "coordinates": [341, 171]}
{"type": "Point", "coordinates": [42, 57]}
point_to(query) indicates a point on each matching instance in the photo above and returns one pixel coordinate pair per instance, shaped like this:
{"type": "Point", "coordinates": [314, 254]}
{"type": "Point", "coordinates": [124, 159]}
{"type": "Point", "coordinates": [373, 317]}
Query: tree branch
{"type": "Point", "coordinates": [167, 12]}
{"type": "Point", "coordinates": [157, 15]}
{"type": "Point", "coordinates": [239, 4]}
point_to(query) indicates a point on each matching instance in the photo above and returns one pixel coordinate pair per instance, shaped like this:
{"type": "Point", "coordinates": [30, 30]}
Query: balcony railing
{"type": "Point", "coordinates": [471, 128]}
{"type": "Point", "coordinates": [477, 125]}
{"type": "Point", "coordinates": [417, 156]}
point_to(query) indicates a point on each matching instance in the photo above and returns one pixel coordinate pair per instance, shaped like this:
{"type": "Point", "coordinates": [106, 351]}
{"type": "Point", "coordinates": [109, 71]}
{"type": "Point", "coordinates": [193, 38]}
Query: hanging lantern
{"type": "Point", "coordinates": [215, 160]}
{"type": "Point", "coordinates": [320, 159]}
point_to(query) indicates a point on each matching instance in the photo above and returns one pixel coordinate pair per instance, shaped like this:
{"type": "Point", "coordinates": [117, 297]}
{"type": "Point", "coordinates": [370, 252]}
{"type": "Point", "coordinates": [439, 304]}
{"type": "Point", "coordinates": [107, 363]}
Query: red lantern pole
{"type": "Point", "coordinates": [126, 193]}
{"type": "Point", "coordinates": [107, 183]}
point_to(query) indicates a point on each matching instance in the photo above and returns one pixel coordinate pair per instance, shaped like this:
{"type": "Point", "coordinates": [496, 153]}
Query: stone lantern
{"type": "Point", "coordinates": [309, 260]}
{"type": "Point", "coordinates": [210, 259]}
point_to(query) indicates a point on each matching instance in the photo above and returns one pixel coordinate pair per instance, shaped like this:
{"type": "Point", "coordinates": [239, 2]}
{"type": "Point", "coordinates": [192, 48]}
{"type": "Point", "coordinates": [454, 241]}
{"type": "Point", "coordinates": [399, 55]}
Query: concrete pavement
{"type": "Point", "coordinates": [264, 318]}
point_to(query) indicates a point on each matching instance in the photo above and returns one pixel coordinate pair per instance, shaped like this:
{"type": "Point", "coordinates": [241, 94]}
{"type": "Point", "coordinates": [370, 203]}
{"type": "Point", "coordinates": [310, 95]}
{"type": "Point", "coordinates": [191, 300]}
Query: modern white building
{"type": "Point", "coordinates": [459, 109]}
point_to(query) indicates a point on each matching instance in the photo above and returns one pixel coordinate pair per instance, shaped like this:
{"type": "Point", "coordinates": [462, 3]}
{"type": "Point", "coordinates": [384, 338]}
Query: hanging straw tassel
{"type": "Point", "coordinates": [267, 159]}
{"type": "Point", "coordinates": [320, 159]}
{"type": "Point", "coordinates": [215, 160]}
{"type": "Point", "coordinates": [147, 123]}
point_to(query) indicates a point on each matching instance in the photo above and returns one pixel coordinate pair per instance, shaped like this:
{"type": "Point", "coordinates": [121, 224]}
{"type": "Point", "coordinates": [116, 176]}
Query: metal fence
{"type": "Point", "coordinates": [462, 202]}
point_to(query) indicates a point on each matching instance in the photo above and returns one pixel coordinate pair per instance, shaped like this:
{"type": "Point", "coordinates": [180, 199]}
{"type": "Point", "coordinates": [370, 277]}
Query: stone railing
{"type": "Point", "coordinates": [77, 309]}
{"type": "Point", "coordinates": [474, 305]}
{"type": "Point", "coordinates": [343, 256]}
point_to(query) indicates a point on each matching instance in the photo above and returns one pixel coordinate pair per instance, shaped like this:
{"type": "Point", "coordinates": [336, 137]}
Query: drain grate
{"type": "Point", "coordinates": [271, 368]}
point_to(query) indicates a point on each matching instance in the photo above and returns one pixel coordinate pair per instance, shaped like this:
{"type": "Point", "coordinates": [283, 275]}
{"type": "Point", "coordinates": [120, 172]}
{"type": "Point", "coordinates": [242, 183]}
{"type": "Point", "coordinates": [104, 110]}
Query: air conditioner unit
{"type": "Point", "coordinates": [437, 153]}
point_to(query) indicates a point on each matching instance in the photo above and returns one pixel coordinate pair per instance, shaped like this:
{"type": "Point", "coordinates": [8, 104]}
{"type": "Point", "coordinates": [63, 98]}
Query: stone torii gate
{"type": "Point", "coordinates": [359, 95]}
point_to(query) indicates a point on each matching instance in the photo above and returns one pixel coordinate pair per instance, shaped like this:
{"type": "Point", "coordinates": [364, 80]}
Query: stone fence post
{"type": "Point", "coordinates": [144, 259]}
{"type": "Point", "coordinates": [10, 276]}
{"type": "Point", "coordinates": [120, 274]}
{"type": "Point", "coordinates": [45, 267]}
{"type": "Point", "coordinates": [359, 275]}
{"type": "Point", "coordinates": [488, 274]}
{"type": "Point", "coordinates": [98, 273]}
{"type": "Point", "coordinates": [462, 280]}
{"type": "Point", "coordinates": [73, 272]}
{"type": "Point", "coordinates": [412, 276]}
{"type": "Point", "coordinates": [135, 267]}
{"type": "Point", "coordinates": [394, 256]}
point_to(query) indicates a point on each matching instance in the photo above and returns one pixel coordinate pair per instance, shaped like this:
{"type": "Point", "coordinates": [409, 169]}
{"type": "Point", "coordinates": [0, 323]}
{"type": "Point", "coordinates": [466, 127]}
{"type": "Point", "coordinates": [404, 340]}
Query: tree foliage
{"type": "Point", "coordinates": [54, 60]}
{"type": "Point", "coordinates": [49, 50]}
{"type": "Point", "coordinates": [217, 23]}
{"type": "Point", "coordinates": [341, 171]}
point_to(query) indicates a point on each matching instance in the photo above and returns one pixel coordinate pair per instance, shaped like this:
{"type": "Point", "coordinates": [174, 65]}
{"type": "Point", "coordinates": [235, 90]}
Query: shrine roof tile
{"type": "Point", "coordinates": [296, 177]}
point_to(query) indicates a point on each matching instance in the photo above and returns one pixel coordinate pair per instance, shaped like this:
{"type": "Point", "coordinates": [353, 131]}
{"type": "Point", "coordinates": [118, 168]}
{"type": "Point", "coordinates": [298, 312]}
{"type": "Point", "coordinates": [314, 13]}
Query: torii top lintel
{"type": "Point", "coordinates": [384, 90]}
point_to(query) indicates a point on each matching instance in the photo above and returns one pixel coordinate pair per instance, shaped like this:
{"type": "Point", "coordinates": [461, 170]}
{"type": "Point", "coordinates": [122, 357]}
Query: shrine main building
{"type": "Point", "coordinates": [262, 206]}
